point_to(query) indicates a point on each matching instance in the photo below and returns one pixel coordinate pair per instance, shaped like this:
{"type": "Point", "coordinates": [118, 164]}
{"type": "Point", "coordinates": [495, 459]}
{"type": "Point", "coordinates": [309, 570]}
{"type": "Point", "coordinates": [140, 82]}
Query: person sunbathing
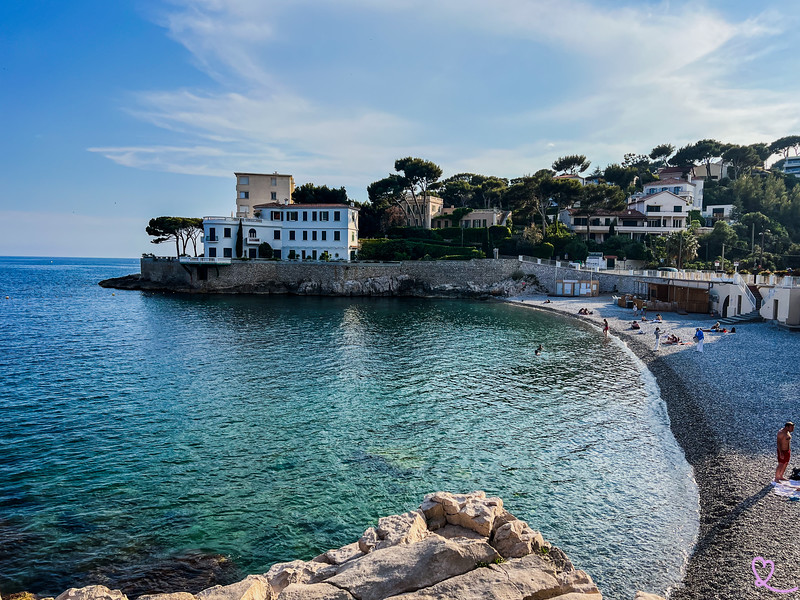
{"type": "Point", "coordinates": [659, 319]}
{"type": "Point", "coordinates": [635, 325]}
{"type": "Point", "coordinates": [716, 326]}
{"type": "Point", "coordinates": [673, 339]}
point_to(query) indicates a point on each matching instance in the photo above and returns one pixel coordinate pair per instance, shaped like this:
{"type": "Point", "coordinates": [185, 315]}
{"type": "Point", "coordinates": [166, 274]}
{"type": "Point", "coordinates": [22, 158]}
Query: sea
{"type": "Point", "coordinates": [159, 442]}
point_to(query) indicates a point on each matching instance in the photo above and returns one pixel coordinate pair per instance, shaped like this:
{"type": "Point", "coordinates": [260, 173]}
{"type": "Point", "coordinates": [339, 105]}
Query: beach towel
{"type": "Point", "coordinates": [788, 489]}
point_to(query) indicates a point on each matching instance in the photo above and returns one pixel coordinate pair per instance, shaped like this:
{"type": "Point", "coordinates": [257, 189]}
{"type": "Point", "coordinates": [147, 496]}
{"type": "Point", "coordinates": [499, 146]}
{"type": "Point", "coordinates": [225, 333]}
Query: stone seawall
{"type": "Point", "coordinates": [474, 278]}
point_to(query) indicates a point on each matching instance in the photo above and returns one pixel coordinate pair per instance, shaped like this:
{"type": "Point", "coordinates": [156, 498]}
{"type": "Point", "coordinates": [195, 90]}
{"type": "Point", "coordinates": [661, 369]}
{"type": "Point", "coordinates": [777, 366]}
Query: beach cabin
{"type": "Point", "coordinates": [577, 287]}
{"type": "Point", "coordinates": [671, 295]}
{"type": "Point", "coordinates": [782, 305]}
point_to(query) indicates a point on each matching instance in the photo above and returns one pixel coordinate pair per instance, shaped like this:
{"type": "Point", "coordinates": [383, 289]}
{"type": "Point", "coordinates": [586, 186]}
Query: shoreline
{"type": "Point", "coordinates": [724, 418]}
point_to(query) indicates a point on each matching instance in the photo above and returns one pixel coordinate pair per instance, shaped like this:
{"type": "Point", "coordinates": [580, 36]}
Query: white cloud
{"type": "Point", "coordinates": [644, 74]}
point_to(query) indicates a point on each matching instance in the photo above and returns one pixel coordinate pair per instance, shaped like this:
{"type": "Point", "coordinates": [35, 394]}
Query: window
{"type": "Point", "coordinates": [275, 215]}
{"type": "Point", "coordinates": [484, 222]}
{"type": "Point", "coordinates": [653, 209]}
{"type": "Point", "coordinates": [276, 235]}
{"type": "Point", "coordinates": [252, 234]}
{"type": "Point", "coordinates": [212, 252]}
{"type": "Point", "coordinates": [676, 190]}
{"type": "Point", "coordinates": [323, 215]}
{"type": "Point", "coordinates": [226, 232]}
{"type": "Point", "coordinates": [227, 252]}
{"type": "Point", "coordinates": [244, 181]}
{"type": "Point", "coordinates": [244, 195]}
{"type": "Point", "coordinates": [243, 208]}
{"type": "Point", "coordinates": [580, 221]}
{"type": "Point", "coordinates": [313, 215]}
{"type": "Point", "coordinates": [678, 223]}
{"type": "Point", "coordinates": [305, 215]}
{"type": "Point", "coordinates": [337, 236]}
{"type": "Point", "coordinates": [630, 223]}
{"type": "Point", "coordinates": [291, 235]}
{"type": "Point", "coordinates": [314, 254]}
{"type": "Point", "coordinates": [274, 181]}
{"type": "Point", "coordinates": [273, 195]}
{"type": "Point", "coordinates": [651, 191]}
{"type": "Point", "coordinates": [212, 234]}
{"type": "Point", "coordinates": [324, 236]}
{"type": "Point", "coordinates": [291, 215]}
{"type": "Point", "coordinates": [654, 223]}
{"type": "Point", "coordinates": [276, 254]}
{"type": "Point", "coordinates": [305, 236]}
{"type": "Point", "coordinates": [336, 215]}
{"type": "Point", "coordinates": [251, 253]}
{"type": "Point", "coordinates": [314, 237]}
{"type": "Point", "coordinates": [677, 209]}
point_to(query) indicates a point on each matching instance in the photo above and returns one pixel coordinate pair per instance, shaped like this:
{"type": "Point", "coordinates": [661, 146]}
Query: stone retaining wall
{"type": "Point", "coordinates": [365, 279]}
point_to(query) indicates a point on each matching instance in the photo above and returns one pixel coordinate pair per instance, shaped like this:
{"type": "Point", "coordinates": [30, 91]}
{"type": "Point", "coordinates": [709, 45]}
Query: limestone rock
{"type": "Point", "coordinates": [173, 596]}
{"type": "Point", "coordinates": [451, 532]}
{"type": "Point", "coordinates": [316, 591]}
{"type": "Point", "coordinates": [92, 592]}
{"type": "Point", "coordinates": [343, 554]}
{"type": "Point", "coordinates": [281, 575]}
{"type": "Point", "coordinates": [408, 567]}
{"type": "Point", "coordinates": [516, 539]}
{"type": "Point", "coordinates": [645, 596]}
{"type": "Point", "coordinates": [401, 529]}
{"type": "Point", "coordinates": [478, 514]}
{"type": "Point", "coordinates": [517, 579]}
{"type": "Point", "coordinates": [434, 513]}
{"type": "Point", "coordinates": [254, 587]}
{"type": "Point", "coordinates": [503, 518]}
{"type": "Point", "coordinates": [368, 541]}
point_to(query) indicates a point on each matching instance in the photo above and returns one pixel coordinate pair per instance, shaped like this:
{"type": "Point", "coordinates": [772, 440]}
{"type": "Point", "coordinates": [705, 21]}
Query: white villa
{"type": "Point", "coordinates": [293, 231]}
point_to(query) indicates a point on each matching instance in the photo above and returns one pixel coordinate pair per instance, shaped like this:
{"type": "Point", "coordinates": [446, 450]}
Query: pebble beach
{"type": "Point", "coordinates": [726, 406]}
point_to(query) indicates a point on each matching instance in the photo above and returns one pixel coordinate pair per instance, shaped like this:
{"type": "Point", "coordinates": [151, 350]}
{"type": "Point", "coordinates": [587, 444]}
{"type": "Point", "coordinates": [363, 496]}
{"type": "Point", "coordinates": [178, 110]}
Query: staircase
{"type": "Point", "coordinates": [756, 294]}
{"type": "Point", "coordinates": [745, 318]}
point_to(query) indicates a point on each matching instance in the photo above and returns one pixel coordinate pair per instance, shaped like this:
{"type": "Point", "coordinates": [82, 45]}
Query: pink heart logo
{"type": "Point", "coordinates": [762, 563]}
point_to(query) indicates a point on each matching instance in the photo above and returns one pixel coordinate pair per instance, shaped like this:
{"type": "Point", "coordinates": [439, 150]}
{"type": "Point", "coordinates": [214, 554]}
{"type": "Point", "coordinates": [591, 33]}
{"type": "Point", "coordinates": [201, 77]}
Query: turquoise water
{"type": "Point", "coordinates": [190, 440]}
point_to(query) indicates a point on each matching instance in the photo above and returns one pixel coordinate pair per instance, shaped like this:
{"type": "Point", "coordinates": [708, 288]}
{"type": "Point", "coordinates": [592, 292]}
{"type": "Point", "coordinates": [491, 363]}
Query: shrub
{"type": "Point", "coordinates": [264, 250]}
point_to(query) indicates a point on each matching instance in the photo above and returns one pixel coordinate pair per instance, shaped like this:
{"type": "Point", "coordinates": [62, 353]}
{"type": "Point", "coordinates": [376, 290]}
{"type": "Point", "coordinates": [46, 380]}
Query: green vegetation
{"type": "Point", "coordinates": [180, 229]}
{"type": "Point", "coordinates": [264, 250]}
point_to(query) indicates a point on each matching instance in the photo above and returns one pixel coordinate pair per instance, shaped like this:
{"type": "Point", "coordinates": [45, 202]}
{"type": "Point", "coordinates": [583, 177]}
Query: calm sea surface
{"type": "Point", "coordinates": [190, 440]}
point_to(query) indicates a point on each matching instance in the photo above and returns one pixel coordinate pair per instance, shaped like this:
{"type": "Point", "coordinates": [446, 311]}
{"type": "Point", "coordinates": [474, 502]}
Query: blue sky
{"type": "Point", "coordinates": [114, 112]}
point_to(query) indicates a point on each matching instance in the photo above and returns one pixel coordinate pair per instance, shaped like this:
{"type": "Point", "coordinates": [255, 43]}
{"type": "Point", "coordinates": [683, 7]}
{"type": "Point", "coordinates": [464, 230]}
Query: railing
{"type": "Point", "coordinates": [738, 280]}
{"type": "Point", "coordinates": [251, 240]}
{"type": "Point", "coordinates": [214, 260]}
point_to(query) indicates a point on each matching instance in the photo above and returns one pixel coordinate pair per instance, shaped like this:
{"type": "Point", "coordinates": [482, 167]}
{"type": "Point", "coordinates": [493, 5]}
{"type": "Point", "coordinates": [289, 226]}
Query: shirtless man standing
{"type": "Point", "coordinates": [784, 450]}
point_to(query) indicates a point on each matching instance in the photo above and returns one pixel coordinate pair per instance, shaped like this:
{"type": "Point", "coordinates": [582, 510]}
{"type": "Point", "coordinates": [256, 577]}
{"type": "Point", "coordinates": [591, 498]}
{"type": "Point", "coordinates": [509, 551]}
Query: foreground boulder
{"type": "Point", "coordinates": [455, 546]}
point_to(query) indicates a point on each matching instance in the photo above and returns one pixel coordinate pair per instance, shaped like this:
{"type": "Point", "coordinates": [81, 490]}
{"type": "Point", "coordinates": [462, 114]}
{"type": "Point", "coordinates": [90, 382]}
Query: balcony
{"type": "Point", "coordinates": [253, 241]}
{"type": "Point", "coordinates": [209, 240]}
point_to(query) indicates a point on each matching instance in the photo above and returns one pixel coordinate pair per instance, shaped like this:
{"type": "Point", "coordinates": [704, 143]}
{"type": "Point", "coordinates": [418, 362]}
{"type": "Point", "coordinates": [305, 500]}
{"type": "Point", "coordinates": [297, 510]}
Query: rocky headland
{"type": "Point", "coordinates": [454, 546]}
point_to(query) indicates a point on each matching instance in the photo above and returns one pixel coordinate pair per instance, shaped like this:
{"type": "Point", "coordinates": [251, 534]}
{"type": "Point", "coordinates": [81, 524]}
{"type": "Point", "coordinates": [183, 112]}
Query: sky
{"type": "Point", "coordinates": [112, 113]}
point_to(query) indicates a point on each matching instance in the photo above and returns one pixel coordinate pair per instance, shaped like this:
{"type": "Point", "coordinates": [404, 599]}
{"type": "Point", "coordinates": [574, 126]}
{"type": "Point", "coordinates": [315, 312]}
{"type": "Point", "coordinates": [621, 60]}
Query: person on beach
{"type": "Point", "coordinates": [644, 311]}
{"type": "Point", "coordinates": [605, 327]}
{"type": "Point", "coordinates": [784, 451]}
{"type": "Point", "coordinates": [635, 325]}
{"type": "Point", "coordinates": [657, 332]}
{"type": "Point", "coordinates": [539, 350]}
{"type": "Point", "coordinates": [699, 336]}
{"type": "Point", "coordinates": [658, 318]}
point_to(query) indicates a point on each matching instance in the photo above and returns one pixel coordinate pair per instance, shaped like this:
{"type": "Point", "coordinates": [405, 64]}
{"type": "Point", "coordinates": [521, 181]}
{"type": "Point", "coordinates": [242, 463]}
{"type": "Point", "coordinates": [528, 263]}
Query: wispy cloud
{"type": "Point", "coordinates": [640, 74]}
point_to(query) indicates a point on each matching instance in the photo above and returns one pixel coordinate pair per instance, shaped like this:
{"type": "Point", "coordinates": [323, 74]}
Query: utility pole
{"type": "Point", "coordinates": [752, 237]}
{"type": "Point", "coordinates": [680, 250]}
{"type": "Point", "coordinates": [722, 262]}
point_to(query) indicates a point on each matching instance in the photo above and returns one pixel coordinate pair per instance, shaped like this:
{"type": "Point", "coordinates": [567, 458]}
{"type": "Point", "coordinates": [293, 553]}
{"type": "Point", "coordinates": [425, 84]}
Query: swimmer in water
{"type": "Point", "coordinates": [539, 350]}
